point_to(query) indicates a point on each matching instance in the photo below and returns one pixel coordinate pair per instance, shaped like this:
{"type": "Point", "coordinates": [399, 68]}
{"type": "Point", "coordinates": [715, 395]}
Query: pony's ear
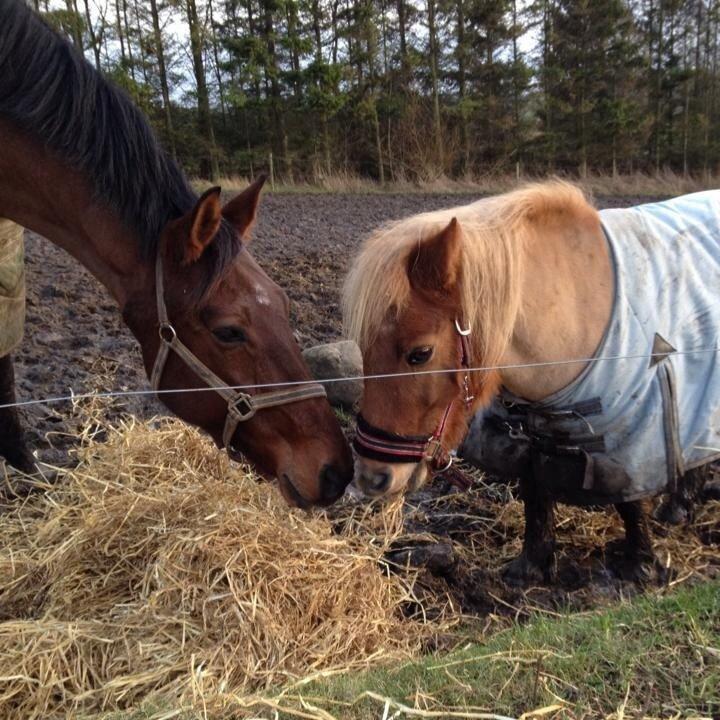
{"type": "Point", "coordinates": [241, 210]}
{"type": "Point", "coordinates": [434, 265]}
{"type": "Point", "coordinates": [189, 235]}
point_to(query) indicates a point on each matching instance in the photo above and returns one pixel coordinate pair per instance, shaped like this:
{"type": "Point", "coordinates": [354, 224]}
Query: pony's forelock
{"type": "Point", "coordinates": [493, 232]}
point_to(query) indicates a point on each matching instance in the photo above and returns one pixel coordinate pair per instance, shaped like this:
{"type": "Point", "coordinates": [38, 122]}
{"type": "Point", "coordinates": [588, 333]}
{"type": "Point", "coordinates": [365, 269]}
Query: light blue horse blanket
{"type": "Point", "coordinates": [655, 413]}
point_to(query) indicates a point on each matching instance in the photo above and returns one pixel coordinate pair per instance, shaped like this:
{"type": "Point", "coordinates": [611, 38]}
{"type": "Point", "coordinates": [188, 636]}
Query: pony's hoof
{"type": "Point", "coordinates": [522, 572]}
{"type": "Point", "coordinates": [672, 512]}
{"type": "Point", "coordinates": [642, 571]}
{"type": "Point", "coordinates": [711, 491]}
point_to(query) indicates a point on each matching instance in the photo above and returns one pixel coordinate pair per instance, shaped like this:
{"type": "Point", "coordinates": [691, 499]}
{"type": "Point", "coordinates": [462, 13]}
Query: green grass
{"type": "Point", "coordinates": [657, 656]}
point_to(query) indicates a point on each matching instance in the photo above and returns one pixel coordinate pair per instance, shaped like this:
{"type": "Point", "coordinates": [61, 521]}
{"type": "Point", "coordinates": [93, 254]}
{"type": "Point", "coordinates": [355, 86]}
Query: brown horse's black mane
{"type": "Point", "coordinates": [49, 90]}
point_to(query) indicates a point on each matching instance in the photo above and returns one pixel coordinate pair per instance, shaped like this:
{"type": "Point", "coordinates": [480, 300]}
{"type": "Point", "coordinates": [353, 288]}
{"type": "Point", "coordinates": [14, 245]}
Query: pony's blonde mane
{"type": "Point", "coordinates": [493, 230]}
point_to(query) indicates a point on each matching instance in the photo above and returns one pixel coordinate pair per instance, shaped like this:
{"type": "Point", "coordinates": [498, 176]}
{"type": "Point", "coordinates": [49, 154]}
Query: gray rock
{"type": "Point", "coordinates": [338, 359]}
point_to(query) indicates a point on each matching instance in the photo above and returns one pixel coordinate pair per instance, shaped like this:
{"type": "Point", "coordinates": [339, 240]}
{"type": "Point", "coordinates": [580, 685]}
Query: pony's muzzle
{"type": "Point", "coordinates": [374, 482]}
{"type": "Point", "coordinates": [375, 478]}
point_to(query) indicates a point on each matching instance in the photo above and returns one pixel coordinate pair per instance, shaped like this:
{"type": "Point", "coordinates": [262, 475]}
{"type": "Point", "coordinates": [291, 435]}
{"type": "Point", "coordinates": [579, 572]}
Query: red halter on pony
{"type": "Point", "coordinates": [378, 444]}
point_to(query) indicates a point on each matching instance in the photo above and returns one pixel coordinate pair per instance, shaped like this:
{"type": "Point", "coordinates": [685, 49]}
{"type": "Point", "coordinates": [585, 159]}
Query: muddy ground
{"type": "Point", "coordinates": [75, 341]}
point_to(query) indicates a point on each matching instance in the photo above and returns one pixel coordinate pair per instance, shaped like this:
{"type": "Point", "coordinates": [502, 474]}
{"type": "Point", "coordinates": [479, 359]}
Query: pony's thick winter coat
{"type": "Point", "coordinates": [656, 414]}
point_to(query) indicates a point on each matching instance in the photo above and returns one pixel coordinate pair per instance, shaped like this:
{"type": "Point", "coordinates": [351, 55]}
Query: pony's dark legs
{"type": "Point", "coordinates": [13, 446]}
{"type": "Point", "coordinates": [640, 563]}
{"type": "Point", "coordinates": [693, 487]}
{"type": "Point", "coordinates": [534, 564]}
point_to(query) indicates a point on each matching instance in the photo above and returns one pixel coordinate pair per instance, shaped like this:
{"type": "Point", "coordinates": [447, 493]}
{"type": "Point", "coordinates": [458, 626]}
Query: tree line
{"type": "Point", "coordinates": [414, 89]}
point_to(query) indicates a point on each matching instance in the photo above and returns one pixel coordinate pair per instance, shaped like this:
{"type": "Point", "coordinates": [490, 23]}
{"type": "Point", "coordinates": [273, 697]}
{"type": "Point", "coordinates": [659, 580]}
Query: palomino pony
{"type": "Point", "coordinates": [79, 165]}
{"type": "Point", "coordinates": [522, 283]}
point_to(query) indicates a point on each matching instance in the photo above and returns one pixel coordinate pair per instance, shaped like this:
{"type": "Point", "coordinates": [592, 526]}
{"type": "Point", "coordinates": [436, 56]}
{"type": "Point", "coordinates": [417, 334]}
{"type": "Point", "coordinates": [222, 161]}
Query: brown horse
{"type": "Point", "coordinates": [80, 166]}
{"type": "Point", "coordinates": [523, 279]}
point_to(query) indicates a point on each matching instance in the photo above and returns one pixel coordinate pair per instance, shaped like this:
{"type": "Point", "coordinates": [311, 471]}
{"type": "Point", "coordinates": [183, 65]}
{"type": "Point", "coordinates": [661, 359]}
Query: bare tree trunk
{"type": "Point", "coordinates": [216, 58]}
{"type": "Point", "coordinates": [402, 29]}
{"type": "Point", "coordinates": [204, 118]}
{"type": "Point", "coordinates": [325, 125]}
{"type": "Point", "coordinates": [120, 32]}
{"type": "Point", "coordinates": [516, 88]}
{"type": "Point", "coordinates": [547, 45]}
{"type": "Point", "coordinates": [253, 28]}
{"type": "Point", "coordinates": [658, 88]}
{"type": "Point", "coordinates": [128, 37]}
{"type": "Point", "coordinates": [76, 29]}
{"type": "Point", "coordinates": [462, 62]}
{"type": "Point", "coordinates": [378, 143]}
{"type": "Point", "coordinates": [383, 29]}
{"type": "Point", "coordinates": [336, 35]}
{"type": "Point", "coordinates": [141, 46]}
{"type": "Point", "coordinates": [272, 71]}
{"type": "Point", "coordinates": [162, 70]}
{"type": "Point", "coordinates": [292, 35]}
{"type": "Point", "coordinates": [95, 40]}
{"type": "Point", "coordinates": [432, 37]}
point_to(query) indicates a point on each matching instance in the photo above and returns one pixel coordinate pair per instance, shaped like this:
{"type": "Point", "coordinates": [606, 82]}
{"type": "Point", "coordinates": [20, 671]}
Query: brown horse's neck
{"type": "Point", "coordinates": [566, 301]}
{"type": "Point", "coordinates": [40, 193]}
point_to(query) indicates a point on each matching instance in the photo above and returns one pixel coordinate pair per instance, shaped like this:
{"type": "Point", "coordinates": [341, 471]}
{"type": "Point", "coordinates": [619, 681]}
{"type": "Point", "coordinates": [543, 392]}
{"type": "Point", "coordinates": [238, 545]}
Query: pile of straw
{"type": "Point", "coordinates": [158, 569]}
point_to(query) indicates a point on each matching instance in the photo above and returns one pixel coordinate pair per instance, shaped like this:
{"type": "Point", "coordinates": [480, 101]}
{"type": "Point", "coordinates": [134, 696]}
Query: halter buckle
{"type": "Point", "coordinates": [460, 330]}
{"type": "Point", "coordinates": [242, 407]}
{"type": "Point", "coordinates": [167, 333]}
{"type": "Point", "coordinates": [434, 452]}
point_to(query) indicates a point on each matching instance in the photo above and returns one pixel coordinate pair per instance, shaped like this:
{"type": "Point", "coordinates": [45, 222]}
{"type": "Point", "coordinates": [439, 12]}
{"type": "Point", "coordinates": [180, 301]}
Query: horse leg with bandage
{"type": "Point", "coordinates": [13, 444]}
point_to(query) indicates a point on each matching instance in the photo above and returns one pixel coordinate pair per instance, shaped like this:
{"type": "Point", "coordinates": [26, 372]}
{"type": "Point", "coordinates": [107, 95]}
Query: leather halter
{"type": "Point", "coordinates": [378, 444]}
{"type": "Point", "coordinates": [240, 406]}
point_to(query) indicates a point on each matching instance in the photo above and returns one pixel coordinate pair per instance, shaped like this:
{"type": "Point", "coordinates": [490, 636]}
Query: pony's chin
{"type": "Point", "coordinates": [419, 477]}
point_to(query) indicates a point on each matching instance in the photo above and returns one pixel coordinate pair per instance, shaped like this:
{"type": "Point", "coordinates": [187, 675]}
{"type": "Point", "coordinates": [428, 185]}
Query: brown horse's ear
{"type": "Point", "coordinates": [435, 264]}
{"type": "Point", "coordinates": [189, 235]}
{"type": "Point", "coordinates": [240, 212]}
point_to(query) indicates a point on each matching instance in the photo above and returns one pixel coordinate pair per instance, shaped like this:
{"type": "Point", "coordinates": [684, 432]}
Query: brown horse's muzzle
{"type": "Point", "coordinates": [302, 447]}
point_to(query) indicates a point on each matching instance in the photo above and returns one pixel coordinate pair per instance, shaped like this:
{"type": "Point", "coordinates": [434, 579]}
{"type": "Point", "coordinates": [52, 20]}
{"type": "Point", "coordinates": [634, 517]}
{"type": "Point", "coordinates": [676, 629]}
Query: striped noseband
{"type": "Point", "coordinates": [378, 444]}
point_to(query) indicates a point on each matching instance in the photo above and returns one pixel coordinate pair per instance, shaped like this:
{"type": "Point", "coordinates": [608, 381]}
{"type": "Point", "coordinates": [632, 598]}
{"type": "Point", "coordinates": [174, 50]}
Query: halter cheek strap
{"type": "Point", "coordinates": [378, 444]}
{"type": "Point", "coordinates": [240, 406]}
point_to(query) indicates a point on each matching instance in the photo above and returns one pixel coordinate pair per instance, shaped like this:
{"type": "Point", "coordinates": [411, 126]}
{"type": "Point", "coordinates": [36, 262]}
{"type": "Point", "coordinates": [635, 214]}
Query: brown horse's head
{"type": "Point", "coordinates": [234, 320]}
{"type": "Point", "coordinates": [408, 301]}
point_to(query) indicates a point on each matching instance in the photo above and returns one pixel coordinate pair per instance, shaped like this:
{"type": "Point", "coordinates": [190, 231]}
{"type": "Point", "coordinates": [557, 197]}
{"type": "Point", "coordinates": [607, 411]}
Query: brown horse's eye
{"type": "Point", "coordinates": [419, 356]}
{"type": "Point", "coordinates": [229, 334]}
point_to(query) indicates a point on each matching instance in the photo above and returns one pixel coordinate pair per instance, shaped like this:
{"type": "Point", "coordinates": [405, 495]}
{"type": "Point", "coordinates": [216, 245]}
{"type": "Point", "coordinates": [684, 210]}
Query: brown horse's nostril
{"type": "Point", "coordinates": [332, 483]}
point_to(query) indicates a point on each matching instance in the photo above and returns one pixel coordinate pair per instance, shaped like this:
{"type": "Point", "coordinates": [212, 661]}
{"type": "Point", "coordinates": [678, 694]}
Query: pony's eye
{"type": "Point", "coordinates": [229, 334]}
{"type": "Point", "coordinates": [419, 356]}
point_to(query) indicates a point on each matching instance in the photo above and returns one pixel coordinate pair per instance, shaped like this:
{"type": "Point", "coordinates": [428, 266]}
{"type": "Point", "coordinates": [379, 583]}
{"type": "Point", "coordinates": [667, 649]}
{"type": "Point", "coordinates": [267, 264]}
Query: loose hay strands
{"type": "Point", "coordinates": [157, 568]}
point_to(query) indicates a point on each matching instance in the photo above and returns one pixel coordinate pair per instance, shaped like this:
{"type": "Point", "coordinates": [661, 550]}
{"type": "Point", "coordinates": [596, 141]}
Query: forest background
{"type": "Point", "coordinates": [415, 90]}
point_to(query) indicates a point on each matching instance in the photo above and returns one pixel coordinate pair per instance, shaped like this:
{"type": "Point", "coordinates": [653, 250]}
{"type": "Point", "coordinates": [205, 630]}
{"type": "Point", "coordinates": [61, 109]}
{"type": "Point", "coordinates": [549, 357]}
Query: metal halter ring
{"type": "Point", "coordinates": [167, 328]}
{"type": "Point", "coordinates": [462, 332]}
{"type": "Point", "coordinates": [242, 407]}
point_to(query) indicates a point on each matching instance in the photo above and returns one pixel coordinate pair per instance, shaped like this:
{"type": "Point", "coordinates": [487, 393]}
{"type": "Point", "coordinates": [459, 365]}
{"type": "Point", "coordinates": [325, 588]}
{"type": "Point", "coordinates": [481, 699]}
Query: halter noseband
{"type": "Point", "coordinates": [378, 444]}
{"type": "Point", "coordinates": [240, 405]}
